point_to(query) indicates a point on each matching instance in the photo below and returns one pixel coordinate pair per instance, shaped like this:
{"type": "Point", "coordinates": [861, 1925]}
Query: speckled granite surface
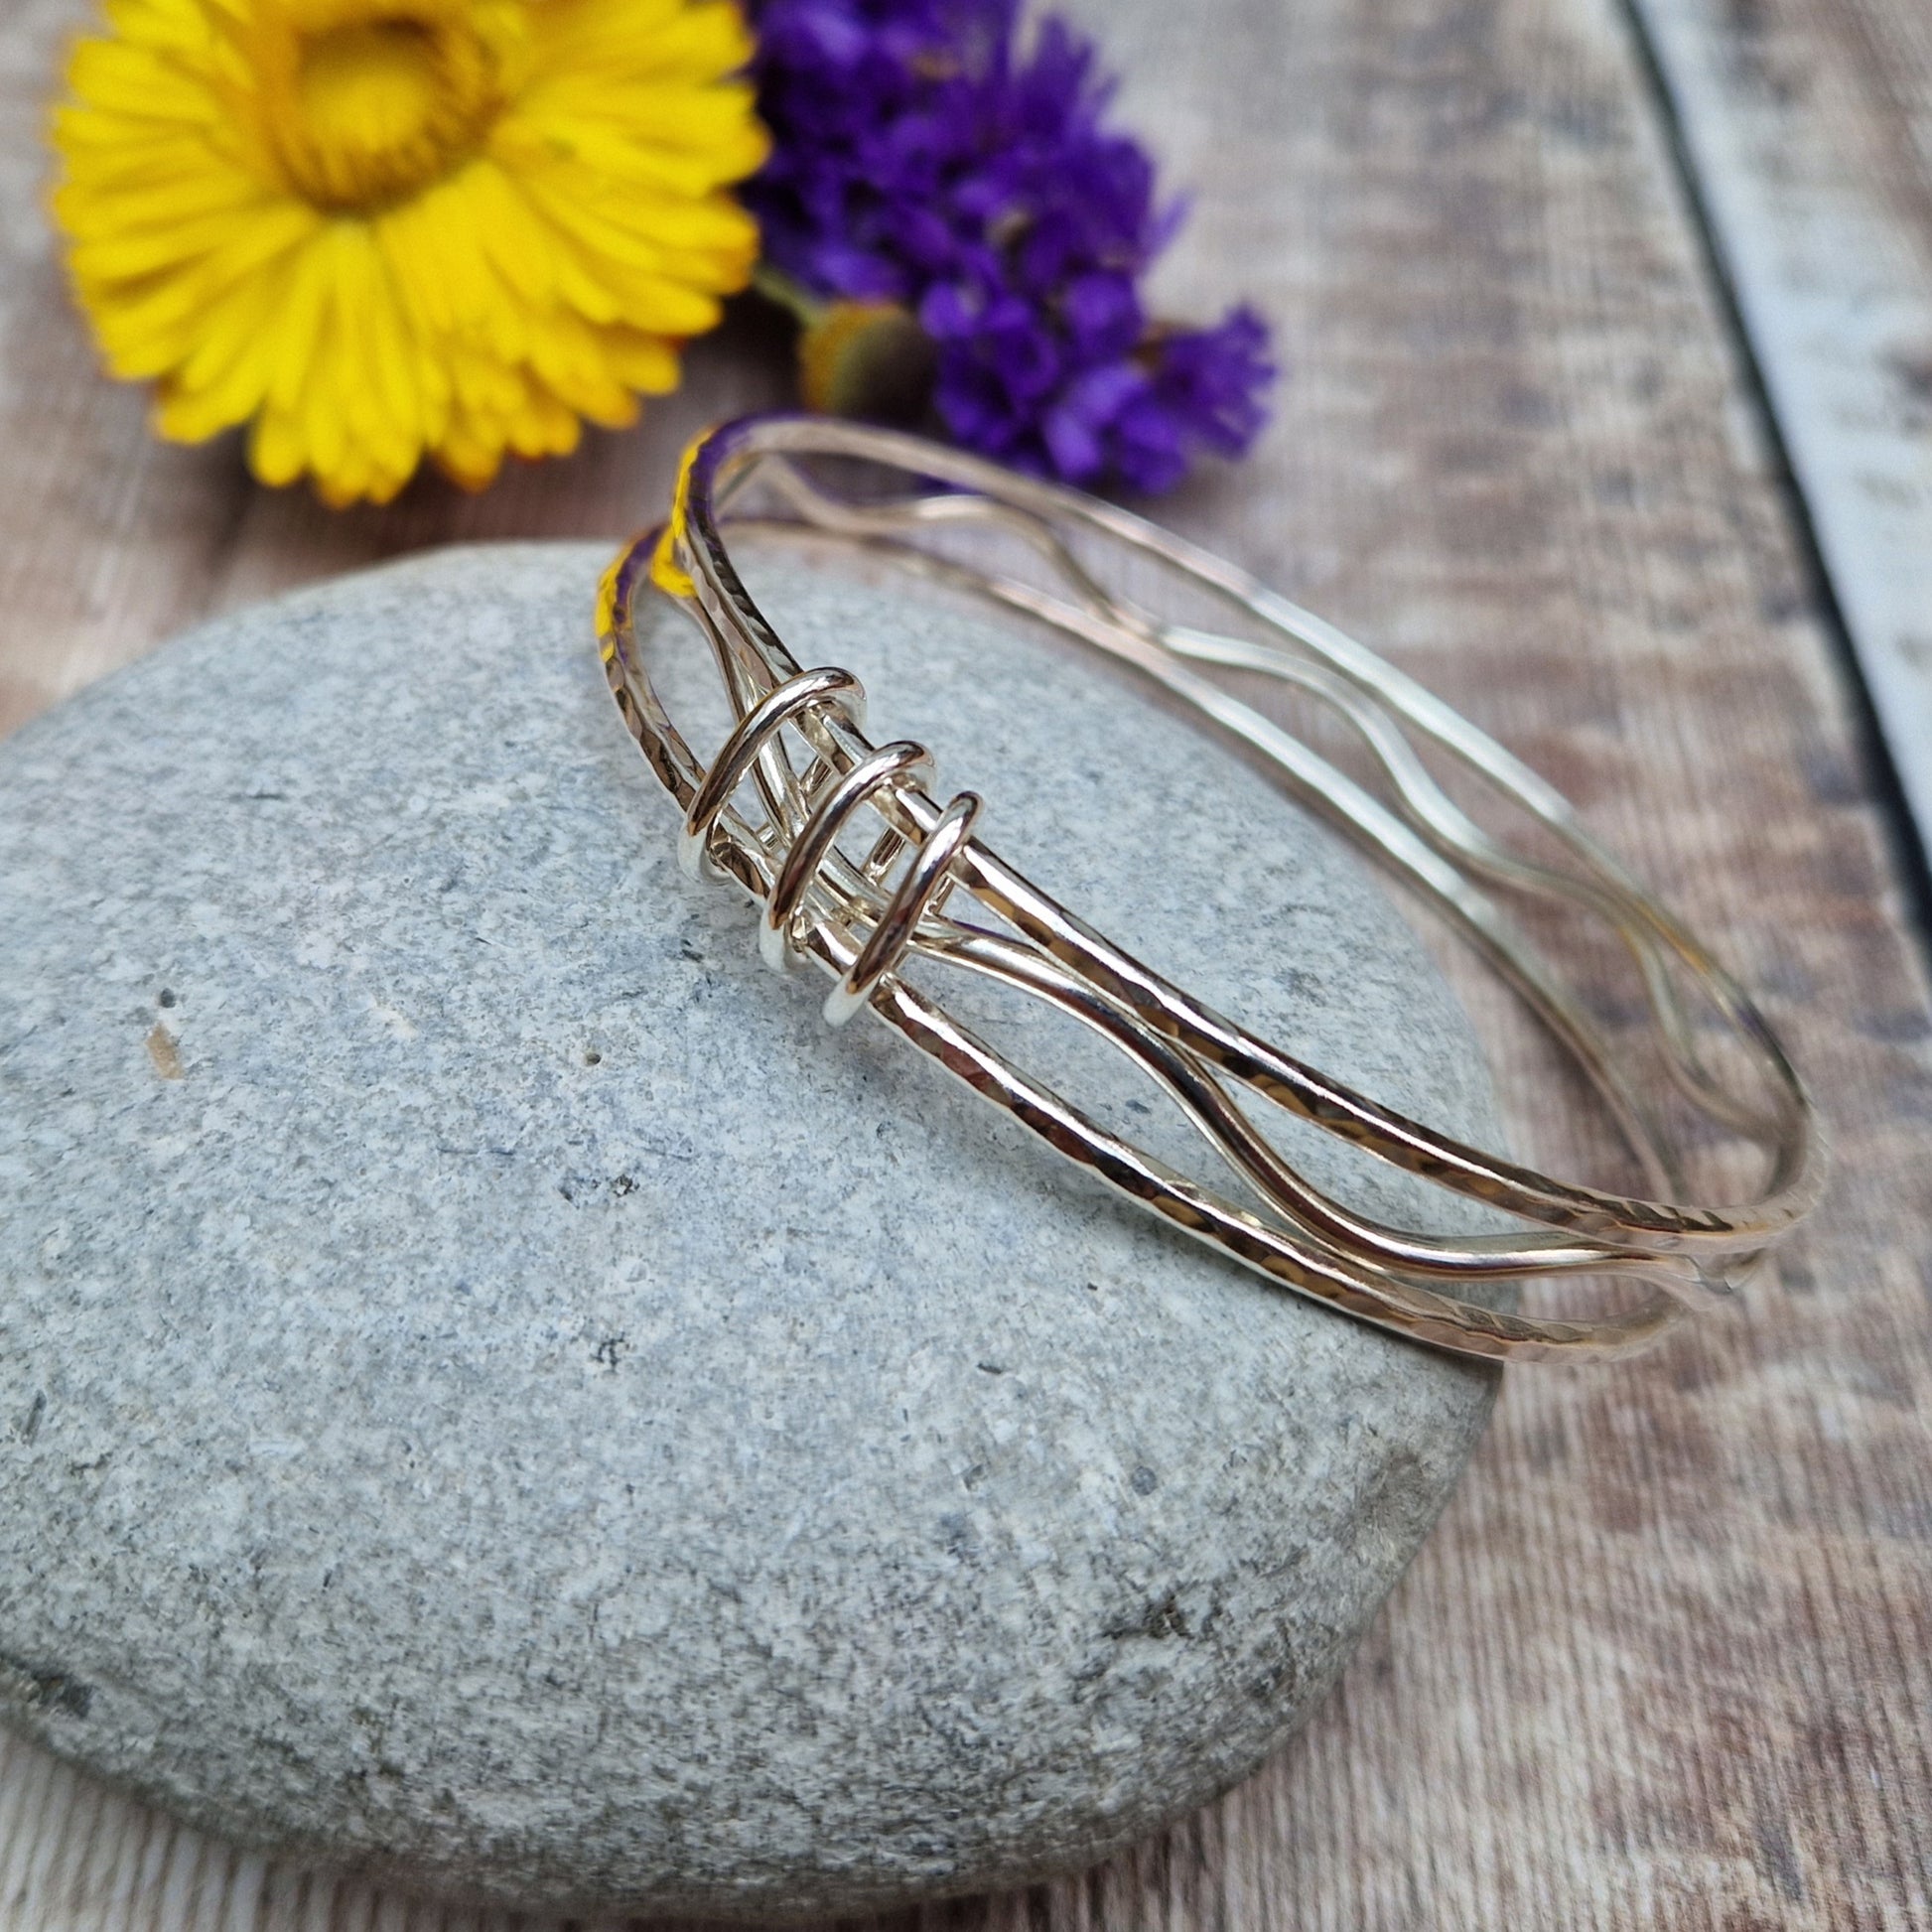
{"type": "Point", "coordinates": [493, 1390]}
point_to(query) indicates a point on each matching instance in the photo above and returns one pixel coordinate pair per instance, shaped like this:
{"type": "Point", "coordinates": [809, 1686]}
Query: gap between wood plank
{"type": "Point", "coordinates": [1907, 840]}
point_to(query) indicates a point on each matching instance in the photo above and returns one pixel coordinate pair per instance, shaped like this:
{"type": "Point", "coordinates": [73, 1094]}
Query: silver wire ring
{"type": "Point", "coordinates": [828, 817]}
{"type": "Point", "coordinates": [921, 891]}
{"type": "Point", "coordinates": [792, 699]}
{"type": "Point", "coordinates": [855, 921]}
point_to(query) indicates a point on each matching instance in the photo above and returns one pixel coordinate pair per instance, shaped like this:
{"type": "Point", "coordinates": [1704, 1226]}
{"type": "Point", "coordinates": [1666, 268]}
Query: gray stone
{"type": "Point", "coordinates": [493, 1392]}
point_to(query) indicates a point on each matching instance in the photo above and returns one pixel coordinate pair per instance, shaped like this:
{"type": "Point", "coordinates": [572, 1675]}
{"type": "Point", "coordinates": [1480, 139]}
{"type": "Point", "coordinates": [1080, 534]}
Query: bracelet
{"type": "Point", "coordinates": [796, 773]}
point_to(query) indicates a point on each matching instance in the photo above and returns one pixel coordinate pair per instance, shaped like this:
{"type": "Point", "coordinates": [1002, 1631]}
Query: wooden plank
{"type": "Point", "coordinates": [1666, 1661]}
{"type": "Point", "coordinates": [1808, 123]}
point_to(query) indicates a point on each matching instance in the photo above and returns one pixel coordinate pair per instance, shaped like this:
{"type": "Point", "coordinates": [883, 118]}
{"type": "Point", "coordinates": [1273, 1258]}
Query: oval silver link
{"type": "Point", "coordinates": [740, 752]}
{"type": "Point", "coordinates": [820, 832]}
{"type": "Point", "coordinates": [892, 938]}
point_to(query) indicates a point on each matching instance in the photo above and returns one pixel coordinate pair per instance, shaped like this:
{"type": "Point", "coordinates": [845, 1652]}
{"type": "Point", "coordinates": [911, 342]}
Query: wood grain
{"type": "Point", "coordinates": [1667, 1662]}
{"type": "Point", "coordinates": [1810, 124]}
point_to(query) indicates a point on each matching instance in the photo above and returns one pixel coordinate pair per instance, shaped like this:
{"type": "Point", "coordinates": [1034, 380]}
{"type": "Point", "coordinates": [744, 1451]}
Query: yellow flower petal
{"type": "Point", "coordinates": [380, 230]}
{"type": "Point", "coordinates": [115, 76]}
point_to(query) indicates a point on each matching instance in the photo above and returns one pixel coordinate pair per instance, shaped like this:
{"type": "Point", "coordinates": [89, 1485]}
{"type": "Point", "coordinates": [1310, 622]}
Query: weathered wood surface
{"type": "Point", "coordinates": [1667, 1661]}
{"type": "Point", "coordinates": [1810, 126]}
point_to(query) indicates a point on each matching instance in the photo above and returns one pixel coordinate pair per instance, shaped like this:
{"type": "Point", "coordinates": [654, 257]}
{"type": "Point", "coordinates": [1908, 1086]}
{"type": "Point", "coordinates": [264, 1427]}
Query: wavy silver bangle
{"type": "Point", "coordinates": [797, 772]}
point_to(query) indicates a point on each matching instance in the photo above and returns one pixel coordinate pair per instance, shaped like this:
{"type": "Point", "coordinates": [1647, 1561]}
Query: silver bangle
{"type": "Point", "coordinates": [760, 817]}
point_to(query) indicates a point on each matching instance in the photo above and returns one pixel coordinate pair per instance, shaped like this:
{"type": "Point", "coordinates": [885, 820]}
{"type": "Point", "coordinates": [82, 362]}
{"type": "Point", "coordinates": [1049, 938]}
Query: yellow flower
{"type": "Point", "coordinates": [377, 231]}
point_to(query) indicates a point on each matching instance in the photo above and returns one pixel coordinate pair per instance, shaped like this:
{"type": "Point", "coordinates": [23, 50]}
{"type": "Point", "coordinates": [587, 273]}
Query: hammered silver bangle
{"type": "Point", "coordinates": [797, 774]}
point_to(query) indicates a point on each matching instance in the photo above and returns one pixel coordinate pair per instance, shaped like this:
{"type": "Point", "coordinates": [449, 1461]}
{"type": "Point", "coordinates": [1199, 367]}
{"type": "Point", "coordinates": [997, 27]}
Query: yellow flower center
{"type": "Point", "coordinates": [369, 101]}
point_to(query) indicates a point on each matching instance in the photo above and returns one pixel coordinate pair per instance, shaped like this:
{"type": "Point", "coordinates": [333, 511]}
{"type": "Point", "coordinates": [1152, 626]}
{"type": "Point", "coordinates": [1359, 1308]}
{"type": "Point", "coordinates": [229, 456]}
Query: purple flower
{"type": "Point", "coordinates": [924, 157]}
